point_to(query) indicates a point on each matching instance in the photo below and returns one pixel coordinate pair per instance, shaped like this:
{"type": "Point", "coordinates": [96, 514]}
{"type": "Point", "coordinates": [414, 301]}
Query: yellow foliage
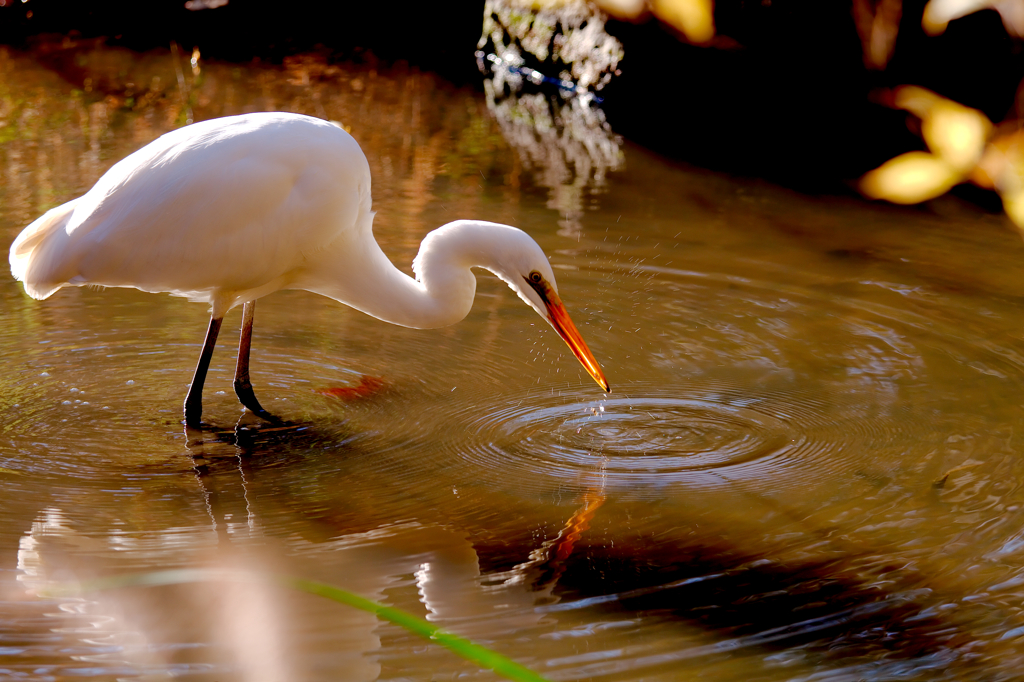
{"type": "Point", "coordinates": [878, 23]}
{"type": "Point", "coordinates": [623, 9]}
{"type": "Point", "coordinates": [938, 14]}
{"type": "Point", "coordinates": [918, 101]}
{"type": "Point", "coordinates": [1013, 204]}
{"type": "Point", "coordinates": [951, 130]}
{"type": "Point", "coordinates": [1002, 168]}
{"type": "Point", "coordinates": [957, 134]}
{"type": "Point", "coordinates": [964, 148]}
{"type": "Point", "coordinates": [910, 178]}
{"type": "Point", "coordinates": [694, 18]}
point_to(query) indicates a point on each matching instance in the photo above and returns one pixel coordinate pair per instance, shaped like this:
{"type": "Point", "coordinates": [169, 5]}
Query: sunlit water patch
{"type": "Point", "coordinates": [751, 384]}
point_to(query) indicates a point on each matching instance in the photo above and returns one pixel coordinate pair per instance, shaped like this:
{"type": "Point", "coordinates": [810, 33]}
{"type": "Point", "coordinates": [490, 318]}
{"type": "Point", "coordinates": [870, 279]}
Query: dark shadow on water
{"type": "Point", "coordinates": [837, 609]}
{"type": "Point", "coordinates": [265, 445]}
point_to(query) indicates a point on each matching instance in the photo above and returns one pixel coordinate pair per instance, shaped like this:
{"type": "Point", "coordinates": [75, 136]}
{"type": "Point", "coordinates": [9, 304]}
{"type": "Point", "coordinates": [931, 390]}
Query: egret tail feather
{"type": "Point", "coordinates": [28, 255]}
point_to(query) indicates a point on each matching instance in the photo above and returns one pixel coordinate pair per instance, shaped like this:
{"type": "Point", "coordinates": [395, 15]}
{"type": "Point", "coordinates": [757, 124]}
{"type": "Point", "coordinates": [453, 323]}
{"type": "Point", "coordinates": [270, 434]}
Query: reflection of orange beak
{"type": "Point", "coordinates": [560, 320]}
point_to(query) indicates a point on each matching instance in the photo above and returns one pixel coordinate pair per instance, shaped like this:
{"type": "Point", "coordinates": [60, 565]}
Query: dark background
{"type": "Point", "coordinates": [788, 99]}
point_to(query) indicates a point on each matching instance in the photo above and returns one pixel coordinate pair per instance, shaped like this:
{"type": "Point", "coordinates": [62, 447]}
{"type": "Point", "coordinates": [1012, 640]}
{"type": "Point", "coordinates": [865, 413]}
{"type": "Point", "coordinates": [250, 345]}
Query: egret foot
{"type": "Point", "coordinates": [193, 415]}
{"type": "Point", "coordinates": [246, 396]}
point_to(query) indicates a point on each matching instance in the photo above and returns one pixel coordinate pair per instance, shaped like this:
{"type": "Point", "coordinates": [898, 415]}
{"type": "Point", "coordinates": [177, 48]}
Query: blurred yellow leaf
{"type": "Point", "coordinates": [957, 134]}
{"type": "Point", "coordinates": [917, 101]}
{"type": "Point", "coordinates": [938, 14]}
{"type": "Point", "coordinates": [1002, 166]}
{"type": "Point", "coordinates": [623, 9]}
{"type": "Point", "coordinates": [877, 22]}
{"type": "Point", "coordinates": [964, 147]}
{"type": "Point", "coordinates": [1002, 169]}
{"type": "Point", "coordinates": [910, 178]}
{"type": "Point", "coordinates": [953, 131]}
{"type": "Point", "coordinates": [694, 18]}
{"type": "Point", "coordinates": [1013, 204]}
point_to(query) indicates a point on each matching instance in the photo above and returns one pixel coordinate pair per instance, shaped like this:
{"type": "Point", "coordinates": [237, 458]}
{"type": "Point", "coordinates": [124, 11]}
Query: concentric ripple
{"type": "Point", "coordinates": [711, 435]}
{"type": "Point", "coordinates": [650, 434]}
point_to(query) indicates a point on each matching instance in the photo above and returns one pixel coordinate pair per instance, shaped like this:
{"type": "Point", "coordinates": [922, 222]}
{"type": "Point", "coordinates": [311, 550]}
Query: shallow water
{"type": "Point", "coordinates": [807, 469]}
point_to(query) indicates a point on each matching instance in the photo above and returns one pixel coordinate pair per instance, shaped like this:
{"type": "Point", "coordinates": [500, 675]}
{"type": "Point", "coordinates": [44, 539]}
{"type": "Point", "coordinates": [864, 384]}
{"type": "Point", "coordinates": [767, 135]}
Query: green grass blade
{"type": "Point", "coordinates": [481, 655]}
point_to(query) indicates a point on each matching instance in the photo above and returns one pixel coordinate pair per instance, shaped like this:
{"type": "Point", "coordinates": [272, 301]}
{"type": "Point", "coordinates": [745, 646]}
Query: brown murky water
{"type": "Point", "coordinates": [808, 468]}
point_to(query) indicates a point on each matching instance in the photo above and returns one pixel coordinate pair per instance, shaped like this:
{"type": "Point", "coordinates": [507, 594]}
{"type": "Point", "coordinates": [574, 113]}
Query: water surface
{"type": "Point", "coordinates": [808, 468]}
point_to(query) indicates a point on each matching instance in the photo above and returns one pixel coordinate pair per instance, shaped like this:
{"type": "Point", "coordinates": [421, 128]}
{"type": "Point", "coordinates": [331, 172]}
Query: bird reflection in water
{"type": "Point", "coordinates": [244, 625]}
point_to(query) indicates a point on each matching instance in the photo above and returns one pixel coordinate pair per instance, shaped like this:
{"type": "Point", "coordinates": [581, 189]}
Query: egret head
{"type": "Point", "coordinates": [516, 258]}
{"type": "Point", "coordinates": [526, 269]}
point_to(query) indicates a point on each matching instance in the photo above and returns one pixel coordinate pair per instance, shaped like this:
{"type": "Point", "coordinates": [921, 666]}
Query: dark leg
{"type": "Point", "coordinates": [194, 399]}
{"type": "Point", "coordinates": [243, 389]}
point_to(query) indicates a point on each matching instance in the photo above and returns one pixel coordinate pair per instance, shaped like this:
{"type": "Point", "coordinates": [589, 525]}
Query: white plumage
{"type": "Point", "coordinates": [228, 210]}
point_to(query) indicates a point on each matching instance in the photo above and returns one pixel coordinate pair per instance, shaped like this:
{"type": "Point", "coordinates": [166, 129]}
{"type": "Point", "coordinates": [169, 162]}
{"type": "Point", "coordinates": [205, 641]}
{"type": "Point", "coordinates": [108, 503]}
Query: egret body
{"type": "Point", "coordinates": [228, 210]}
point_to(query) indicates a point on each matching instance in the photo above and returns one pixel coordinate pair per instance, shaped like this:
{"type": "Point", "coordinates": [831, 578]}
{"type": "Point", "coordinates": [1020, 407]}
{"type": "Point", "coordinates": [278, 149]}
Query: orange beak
{"type": "Point", "coordinates": [560, 320]}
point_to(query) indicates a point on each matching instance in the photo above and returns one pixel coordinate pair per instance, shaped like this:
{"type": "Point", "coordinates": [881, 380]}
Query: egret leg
{"type": "Point", "coordinates": [243, 388]}
{"type": "Point", "coordinates": [194, 399]}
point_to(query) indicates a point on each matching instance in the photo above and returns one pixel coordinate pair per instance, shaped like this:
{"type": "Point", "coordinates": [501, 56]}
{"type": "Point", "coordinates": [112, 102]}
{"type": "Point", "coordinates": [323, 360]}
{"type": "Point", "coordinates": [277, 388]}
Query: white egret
{"type": "Point", "coordinates": [228, 210]}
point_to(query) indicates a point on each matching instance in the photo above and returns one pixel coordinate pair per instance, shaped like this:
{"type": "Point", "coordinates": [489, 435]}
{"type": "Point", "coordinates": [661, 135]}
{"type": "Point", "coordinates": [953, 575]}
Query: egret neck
{"type": "Point", "coordinates": [359, 274]}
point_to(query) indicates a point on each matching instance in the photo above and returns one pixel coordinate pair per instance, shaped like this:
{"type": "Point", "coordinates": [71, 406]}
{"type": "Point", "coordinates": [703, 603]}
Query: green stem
{"type": "Point", "coordinates": [482, 656]}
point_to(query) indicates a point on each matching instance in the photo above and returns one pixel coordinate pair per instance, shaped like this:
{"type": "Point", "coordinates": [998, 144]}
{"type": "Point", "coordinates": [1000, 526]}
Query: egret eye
{"type": "Point", "coordinates": [536, 277]}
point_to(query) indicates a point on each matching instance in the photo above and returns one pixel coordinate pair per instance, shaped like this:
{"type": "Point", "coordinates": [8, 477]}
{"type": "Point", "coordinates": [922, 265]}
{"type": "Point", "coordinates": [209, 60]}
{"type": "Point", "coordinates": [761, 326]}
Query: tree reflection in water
{"type": "Point", "coordinates": [561, 135]}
